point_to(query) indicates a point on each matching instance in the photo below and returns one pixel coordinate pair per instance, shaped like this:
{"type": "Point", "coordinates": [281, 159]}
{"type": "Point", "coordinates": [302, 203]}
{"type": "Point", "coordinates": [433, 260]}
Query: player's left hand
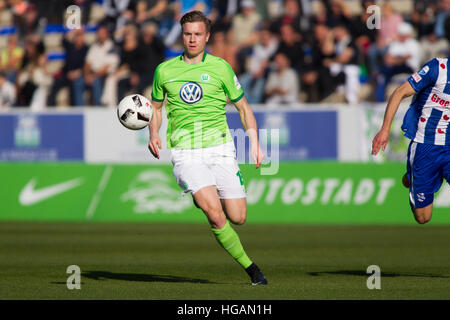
{"type": "Point", "coordinates": [257, 155]}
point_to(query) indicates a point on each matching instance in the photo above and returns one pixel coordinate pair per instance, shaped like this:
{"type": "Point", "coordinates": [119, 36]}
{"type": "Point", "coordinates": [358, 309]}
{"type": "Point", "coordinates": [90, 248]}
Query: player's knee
{"type": "Point", "coordinates": [243, 216]}
{"type": "Point", "coordinates": [239, 221]}
{"type": "Point", "coordinates": [240, 218]}
{"type": "Point", "coordinates": [420, 217]}
{"type": "Point", "coordinates": [214, 212]}
{"type": "Point", "coordinates": [422, 220]}
{"type": "Point", "coordinates": [215, 215]}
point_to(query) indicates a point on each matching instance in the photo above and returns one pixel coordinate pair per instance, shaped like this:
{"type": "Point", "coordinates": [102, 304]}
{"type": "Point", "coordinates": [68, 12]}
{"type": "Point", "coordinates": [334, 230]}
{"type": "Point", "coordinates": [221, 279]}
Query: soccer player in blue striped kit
{"type": "Point", "coordinates": [427, 124]}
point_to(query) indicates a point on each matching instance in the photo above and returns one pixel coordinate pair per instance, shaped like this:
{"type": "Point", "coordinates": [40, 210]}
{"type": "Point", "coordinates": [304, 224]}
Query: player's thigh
{"type": "Point", "coordinates": [231, 191]}
{"type": "Point", "coordinates": [424, 173]}
{"type": "Point", "coordinates": [197, 179]}
{"type": "Point", "coordinates": [190, 172]}
{"type": "Point", "coordinates": [446, 168]}
{"type": "Point", "coordinates": [228, 176]}
{"type": "Point", "coordinates": [235, 209]}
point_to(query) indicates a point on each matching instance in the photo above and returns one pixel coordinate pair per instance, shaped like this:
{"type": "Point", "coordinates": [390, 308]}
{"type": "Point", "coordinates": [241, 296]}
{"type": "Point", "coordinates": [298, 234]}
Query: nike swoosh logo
{"type": "Point", "coordinates": [29, 195]}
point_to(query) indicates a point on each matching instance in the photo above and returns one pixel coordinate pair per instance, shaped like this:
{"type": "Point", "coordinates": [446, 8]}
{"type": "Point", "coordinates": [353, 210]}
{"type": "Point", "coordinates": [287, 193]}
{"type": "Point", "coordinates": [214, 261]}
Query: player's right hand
{"type": "Point", "coordinates": [154, 145]}
{"type": "Point", "coordinates": [380, 141]}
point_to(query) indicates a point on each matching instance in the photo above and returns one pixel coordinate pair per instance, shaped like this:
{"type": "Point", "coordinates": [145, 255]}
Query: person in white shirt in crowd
{"type": "Point", "coordinates": [254, 80]}
{"type": "Point", "coordinates": [43, 79]}
{"type": "Point", "coordinates": [345, 60]}
{"type": "Point", "coordinates": [389, 22]}
{"type": "Point", "coordinates": [283, 83]}
{"type": "Point", "coordinates": [34, 79]}
{"type": "Point", "coordinates": [101, 61]}
{"type": "Point", "coordinates": [244, 32]}
{"type": "Point", "coordinates": [403, 56]}
{"type": "Point", "coordinates": [435, 43]}
{"type": "Point", "coordinates": [7, 92]}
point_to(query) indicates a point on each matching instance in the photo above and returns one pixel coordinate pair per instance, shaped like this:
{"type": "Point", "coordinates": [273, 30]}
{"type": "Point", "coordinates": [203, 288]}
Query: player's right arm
{"type": "Point", "coordinates": [417, 82]}
{"type": "Point", "coordinates": [154, 125]}
{"type": "Point", "coordinates": [382, 137]}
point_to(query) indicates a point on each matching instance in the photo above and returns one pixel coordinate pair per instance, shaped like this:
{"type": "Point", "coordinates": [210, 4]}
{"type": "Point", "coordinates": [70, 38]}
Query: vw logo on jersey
{"type": "Point", "coordinates": [191, 92]}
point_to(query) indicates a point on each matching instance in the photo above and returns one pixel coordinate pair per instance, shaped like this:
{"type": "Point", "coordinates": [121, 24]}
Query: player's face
{"type": "Point", "coordinates": [195, 38]}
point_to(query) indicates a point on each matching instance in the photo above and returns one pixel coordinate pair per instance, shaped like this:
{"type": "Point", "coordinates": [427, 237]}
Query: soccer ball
{"type": "Point", "coordinates": [134, 111]}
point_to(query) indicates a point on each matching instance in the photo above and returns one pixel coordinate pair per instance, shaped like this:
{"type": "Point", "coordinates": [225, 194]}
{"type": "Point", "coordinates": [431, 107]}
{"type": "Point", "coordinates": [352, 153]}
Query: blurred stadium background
{"type": "Point", "coordinates": [78, 188]}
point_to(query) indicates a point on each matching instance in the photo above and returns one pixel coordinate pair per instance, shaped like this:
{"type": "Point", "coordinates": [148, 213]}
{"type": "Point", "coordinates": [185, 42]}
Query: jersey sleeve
{"type": "Point", "coordinates": [231, 84]}
{"type": "Point", "coordinates": [426, 77]}
{"type": "Point", "coordinates": [158, 92]}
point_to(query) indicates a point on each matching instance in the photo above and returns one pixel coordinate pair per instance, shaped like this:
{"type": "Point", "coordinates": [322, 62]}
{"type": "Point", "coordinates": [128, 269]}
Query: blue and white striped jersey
{"type": "Point", "coordinates": [428, 117]}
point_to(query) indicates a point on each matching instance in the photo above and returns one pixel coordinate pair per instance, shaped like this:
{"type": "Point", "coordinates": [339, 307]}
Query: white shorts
{"type": "Point", "coordinates": [212, 166]}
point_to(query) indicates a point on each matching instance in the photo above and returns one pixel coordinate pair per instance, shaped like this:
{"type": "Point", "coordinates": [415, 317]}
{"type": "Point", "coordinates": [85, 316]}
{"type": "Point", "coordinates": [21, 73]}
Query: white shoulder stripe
{"type": "Point", "coordinates": [442, 78]}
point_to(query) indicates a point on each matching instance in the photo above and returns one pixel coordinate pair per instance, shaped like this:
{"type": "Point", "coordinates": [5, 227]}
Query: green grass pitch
{"type": "Point", "coordinates": [184, 261]}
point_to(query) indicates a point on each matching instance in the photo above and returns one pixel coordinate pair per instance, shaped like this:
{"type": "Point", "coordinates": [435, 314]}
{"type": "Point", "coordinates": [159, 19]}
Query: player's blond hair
{"type": "Point", "coordinates": [196, 16]}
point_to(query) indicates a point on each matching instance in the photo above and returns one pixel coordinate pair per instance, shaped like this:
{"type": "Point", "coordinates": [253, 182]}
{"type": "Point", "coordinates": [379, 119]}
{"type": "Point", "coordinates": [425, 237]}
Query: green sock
{"type": "Point", "coordinates": [229, 240]}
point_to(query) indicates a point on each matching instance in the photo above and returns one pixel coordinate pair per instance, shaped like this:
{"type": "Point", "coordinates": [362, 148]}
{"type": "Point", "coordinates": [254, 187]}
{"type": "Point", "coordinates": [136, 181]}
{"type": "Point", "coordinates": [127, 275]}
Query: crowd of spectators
{"type": "Point", "coordinates": [282, 51]}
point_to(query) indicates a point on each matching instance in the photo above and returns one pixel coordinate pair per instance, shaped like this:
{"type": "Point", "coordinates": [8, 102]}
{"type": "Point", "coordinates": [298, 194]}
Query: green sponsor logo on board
{"type": "Point", "coordinates": [323, 192]}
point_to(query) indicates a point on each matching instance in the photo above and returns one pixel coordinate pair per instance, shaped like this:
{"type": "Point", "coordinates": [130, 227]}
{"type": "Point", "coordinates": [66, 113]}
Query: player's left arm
{"type": "Point", "coordinates": [233, 90]}
{"type": "Point", "coordinates": [249, 123]}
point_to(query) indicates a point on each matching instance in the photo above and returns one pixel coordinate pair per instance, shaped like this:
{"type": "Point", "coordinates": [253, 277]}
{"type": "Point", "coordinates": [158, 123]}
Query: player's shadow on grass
{"type": "Point", "coordinates": [142, 277]}
{"type": "Point", "coordinates": [383, 274]}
